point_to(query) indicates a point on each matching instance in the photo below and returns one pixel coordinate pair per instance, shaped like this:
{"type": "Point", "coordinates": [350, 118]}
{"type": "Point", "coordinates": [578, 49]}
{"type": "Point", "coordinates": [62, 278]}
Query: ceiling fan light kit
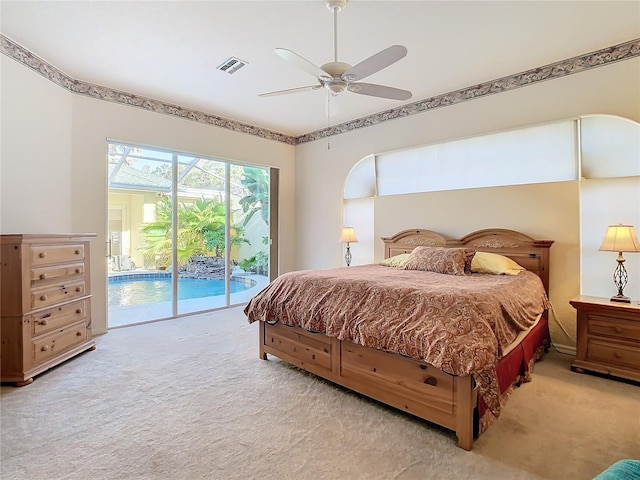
{"type": "Point", "coordinates": [336, 77]}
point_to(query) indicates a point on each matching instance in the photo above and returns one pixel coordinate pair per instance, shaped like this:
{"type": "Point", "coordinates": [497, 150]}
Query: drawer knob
{"type": "Point", "coordinates": [78, 334]}
{"type": "Point", "coordinates": [78, 252]}
{"type": "Point", "coordinates": [42, 254]}
{"type": "Point", "coordinates": [43, 322]}
{"type": "Point", "coordinates": [43, 298]}
{"type": "Point", "coordinates": [78, 289]}
{"type": "Point", "coordinates": [619, 329]}
{"type": "Point", "coordinates": [43, 276]}
{"type": "Point", "coordinates": [617, 354]}
{"type": "Point", "coordinates": [44, 348]}
{"type": "Point", "coordinates": [79, 311]}
{"type": "Point", "coordinates": [431, 381]}
{"type": "Point", "coordinates": [78, 270]}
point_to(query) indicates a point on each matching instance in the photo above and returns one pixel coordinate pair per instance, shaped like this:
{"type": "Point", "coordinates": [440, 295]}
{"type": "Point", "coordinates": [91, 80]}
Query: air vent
{"type": "Point", "coordinates": [232, 65]}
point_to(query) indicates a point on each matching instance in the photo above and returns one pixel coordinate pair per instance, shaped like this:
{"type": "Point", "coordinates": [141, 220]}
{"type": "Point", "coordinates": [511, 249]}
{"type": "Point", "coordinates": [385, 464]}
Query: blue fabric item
{"type": "Point", "coordinates": [621, 470]}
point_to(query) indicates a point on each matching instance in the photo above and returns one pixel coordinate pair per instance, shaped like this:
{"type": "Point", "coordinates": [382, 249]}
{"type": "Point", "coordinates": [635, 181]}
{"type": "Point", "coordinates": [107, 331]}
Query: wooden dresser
{"type": "Point", "coordinates": [608, 337]}
{"type": "Point", "coordinates": [45, 307]}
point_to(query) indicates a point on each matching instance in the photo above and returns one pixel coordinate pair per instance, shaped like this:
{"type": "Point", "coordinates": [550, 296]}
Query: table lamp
{"type": "Point", "coordinates": [620, 238]}
{"type": "Point", "coordinates": [348, 236]}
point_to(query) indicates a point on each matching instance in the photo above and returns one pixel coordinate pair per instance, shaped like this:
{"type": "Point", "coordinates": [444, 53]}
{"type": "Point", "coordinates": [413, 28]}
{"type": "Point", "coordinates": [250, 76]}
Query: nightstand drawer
{"type": "Point", "coordinates": [614, 327]}
{"type": "Point", "coordinates": [615, 354]}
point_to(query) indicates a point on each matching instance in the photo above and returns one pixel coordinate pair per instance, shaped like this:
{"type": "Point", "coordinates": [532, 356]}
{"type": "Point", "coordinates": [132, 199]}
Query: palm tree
{"type": "Point", "coordinates": [256, 181]}
{"type": "Point", "coordinates": [201, 231]}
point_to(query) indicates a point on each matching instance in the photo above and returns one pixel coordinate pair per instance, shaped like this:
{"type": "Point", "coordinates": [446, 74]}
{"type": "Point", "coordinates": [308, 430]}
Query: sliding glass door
{"type": "Point", "coordinates": [187, 234]}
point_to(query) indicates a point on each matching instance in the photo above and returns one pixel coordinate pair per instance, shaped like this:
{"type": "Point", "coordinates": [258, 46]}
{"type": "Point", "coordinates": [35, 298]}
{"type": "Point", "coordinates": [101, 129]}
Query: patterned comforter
{"type": "Point", "coordinates": [459, 324]}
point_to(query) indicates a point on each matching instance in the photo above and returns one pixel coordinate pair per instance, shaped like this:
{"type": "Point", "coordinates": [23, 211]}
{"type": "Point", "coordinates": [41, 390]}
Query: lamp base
{"type": "Point", "coordinates": [620, 298]}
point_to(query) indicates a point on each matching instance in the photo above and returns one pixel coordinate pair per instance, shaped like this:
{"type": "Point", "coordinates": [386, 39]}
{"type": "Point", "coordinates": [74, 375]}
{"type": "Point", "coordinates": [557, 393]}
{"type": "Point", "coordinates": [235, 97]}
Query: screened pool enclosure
{"type": "Point", "coordinates": [183, 224]}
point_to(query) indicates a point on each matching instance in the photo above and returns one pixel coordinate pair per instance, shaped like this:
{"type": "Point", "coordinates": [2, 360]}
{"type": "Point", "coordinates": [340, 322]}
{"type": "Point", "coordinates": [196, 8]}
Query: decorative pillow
{"type": "Point", "coordinates": [484, 262]}
{"type": "Point", "coordinates": [450, 261]}
{"type": "Point", "coordinates": [397, 261]}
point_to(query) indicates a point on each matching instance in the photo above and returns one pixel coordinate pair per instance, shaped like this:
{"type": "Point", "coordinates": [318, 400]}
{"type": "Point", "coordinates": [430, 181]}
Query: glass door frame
{"type": "Point", "coordinates": [175, 195]}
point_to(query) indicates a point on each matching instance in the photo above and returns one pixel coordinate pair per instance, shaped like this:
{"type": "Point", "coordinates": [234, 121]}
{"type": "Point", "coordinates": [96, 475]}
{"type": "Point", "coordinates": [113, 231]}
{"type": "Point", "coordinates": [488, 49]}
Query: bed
{"type": "Point", "coordinates": [377, 329]}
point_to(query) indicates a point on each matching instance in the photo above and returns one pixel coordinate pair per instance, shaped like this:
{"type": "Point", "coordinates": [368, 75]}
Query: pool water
{"type": "Point", "coordinates": [143, 291]}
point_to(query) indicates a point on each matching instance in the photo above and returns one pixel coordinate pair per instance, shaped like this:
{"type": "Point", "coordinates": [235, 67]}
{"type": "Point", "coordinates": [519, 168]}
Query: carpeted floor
{"type": "Point", "coordinates": [190, 399]}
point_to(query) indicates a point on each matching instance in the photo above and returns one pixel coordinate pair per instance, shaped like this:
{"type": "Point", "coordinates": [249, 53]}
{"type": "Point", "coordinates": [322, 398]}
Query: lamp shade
{"type": "Point", "coordinates": [620, 238]}
{"type": "Point", "coordinates": [348, 235]}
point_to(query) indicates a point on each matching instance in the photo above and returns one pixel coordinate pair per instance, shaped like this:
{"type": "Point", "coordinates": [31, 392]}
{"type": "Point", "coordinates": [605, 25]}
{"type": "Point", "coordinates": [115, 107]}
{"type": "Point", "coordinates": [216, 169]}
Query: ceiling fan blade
{"type": "Point", "coordinates": [375, 63]}
{"type": "Point", "coordinates": [302, 63]}
{"type": "Point", "coordinates": [382, 91]}
{"type": "Point", "coordinates": [290, 90]}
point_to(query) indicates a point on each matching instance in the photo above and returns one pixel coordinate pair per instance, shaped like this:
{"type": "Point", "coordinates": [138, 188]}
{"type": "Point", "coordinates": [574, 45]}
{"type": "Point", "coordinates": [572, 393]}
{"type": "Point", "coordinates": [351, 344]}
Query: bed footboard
{"type": "Point", "coordinates": [404, 383]}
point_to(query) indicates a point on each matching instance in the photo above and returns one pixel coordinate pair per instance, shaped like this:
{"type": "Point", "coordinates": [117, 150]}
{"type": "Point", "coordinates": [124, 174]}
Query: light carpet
{"type": "Point", "coordinates": [190, 399]}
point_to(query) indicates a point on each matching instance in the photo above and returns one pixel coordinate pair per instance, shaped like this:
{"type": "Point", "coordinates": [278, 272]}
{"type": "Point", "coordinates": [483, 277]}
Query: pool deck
{"type": "Point", "coordinates": [121, 316]}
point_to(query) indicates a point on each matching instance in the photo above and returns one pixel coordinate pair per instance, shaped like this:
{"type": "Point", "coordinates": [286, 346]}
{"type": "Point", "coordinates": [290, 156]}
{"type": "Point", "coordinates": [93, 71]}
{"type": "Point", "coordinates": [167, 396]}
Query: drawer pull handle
{"type": "Point", "coordinates": [78, 289]}
{"type": "Point", "coordinates": [431, 381]}
{"type": "Point", "coordinates": [43, 322]}
{"type": "Point", "coordinates": [619, 329]}
{"type": "Point", "coordinates": [617, 354]}
{"type": "Point", "coordinates": [43, 276]}
{"type": "Point", "coordinates": [77, 252]}
{"type": "Point", "coordinates": [44, 348]}
{"type": "Point", "coordinates": [78, 334]}
{"type": "Point", "coordinates": [78, 270]}
{"type": "Point", "coordinates": [42, 254]}
{"type": "Point", "coordinates": [79, 311]}
{"type": "Point", "coordinates": [43, 298]}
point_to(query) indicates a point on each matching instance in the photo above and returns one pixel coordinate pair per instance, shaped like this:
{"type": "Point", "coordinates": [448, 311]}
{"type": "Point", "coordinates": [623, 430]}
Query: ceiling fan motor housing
{"type": "Point", "coordinates": [337, 4]}
{"type": "Point", "coordinates": [334, 81]}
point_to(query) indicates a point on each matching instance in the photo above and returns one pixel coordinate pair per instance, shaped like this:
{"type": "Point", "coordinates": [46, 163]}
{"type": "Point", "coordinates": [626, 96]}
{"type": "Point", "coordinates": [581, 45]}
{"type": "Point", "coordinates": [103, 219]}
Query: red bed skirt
{"type": "Point", "coordinates": [516, 367]}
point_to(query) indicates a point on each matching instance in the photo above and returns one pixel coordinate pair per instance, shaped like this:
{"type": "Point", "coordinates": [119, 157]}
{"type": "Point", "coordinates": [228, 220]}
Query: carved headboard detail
{"type": "Point", "coordinates": [530, 253]}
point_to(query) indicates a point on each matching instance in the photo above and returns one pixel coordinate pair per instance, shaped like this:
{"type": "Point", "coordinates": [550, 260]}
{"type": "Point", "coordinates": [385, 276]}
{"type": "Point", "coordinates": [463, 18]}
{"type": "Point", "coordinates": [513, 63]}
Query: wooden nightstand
{"type": "Point", "coordinates": [608, 337]}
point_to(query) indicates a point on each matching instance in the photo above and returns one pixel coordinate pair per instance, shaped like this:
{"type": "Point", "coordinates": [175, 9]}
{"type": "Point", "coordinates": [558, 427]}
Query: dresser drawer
{"type": "Point", "coordinates": [58, 342]}
{"type": "Point", "coordinates": [50, 254]}
{"type": "Point", "coordinates": [44, 275]}
{"type": "Point", "coordinates": [614, 354]}
{"type": "Point", "coordinates": [614, 327]}
{"type": "Point", "coordinates": [58, 317]}
{"type": "Point", "coordinates": [57, 293]}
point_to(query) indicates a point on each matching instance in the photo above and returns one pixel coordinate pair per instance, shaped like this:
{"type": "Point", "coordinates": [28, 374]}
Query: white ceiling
{"type": "Point", "coordinates": [169, 50]}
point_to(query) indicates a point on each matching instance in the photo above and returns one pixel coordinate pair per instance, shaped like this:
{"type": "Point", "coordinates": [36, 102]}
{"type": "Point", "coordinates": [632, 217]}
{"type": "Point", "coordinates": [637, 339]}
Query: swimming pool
{"type": "Point", "coordinates": [129, 290]}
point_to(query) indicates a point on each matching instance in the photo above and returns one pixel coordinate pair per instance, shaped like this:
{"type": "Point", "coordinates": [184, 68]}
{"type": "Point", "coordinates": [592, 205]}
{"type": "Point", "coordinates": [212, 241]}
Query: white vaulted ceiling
{"type": "Point", "coordinates": [169, 51]}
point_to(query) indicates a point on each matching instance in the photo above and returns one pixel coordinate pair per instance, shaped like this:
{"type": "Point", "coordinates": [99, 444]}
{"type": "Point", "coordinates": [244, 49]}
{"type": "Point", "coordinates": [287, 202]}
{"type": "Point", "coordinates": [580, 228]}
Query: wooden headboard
{"type": "Point", "coordinates": [530, 253]}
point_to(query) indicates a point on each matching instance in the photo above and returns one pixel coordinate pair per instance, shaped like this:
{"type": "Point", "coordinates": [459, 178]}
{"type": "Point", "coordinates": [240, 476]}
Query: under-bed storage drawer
{"type": "Point", "coordinates": [419, 382]}
{"type": "Point", "coordinates": [309, 349]}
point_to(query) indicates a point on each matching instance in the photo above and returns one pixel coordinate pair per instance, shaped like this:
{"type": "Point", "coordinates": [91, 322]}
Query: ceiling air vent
{"type": "Point", "coordinates": [232, 65]}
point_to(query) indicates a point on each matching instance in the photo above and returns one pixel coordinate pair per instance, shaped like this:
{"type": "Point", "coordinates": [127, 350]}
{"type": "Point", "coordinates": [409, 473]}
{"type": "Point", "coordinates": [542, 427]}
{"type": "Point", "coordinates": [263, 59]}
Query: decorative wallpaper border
{"type": "Point", "coordinates": [35, 63]}
{"type": "Point", "coordinates": [623, 51]}
{"type": "Point", "coordinates": [605, 56]}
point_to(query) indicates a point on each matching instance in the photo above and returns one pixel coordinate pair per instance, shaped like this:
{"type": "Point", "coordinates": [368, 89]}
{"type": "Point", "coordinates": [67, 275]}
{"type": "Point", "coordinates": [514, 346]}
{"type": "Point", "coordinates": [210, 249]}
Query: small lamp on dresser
{"type": "Point", "coordinates": [348, 236]}
{"type": "Point", "coordinates": [620, 238]}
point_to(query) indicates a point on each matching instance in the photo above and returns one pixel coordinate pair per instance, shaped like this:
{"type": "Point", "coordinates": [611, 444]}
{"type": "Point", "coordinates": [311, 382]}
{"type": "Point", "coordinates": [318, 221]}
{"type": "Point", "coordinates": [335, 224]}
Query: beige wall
{"type": "Point", "coordinates": [35, 155]}
{"type": "Point", "coordinates": [54, 155]}
{"type": "Point", "coordinates": [54, 162]}
{"type": "Point", "coordinates": [321, 174]}
{"type": "Point", "coordinates": [530, 209]}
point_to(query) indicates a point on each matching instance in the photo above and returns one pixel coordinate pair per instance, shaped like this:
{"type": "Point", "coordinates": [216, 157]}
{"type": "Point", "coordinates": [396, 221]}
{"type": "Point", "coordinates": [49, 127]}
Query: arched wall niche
{"type": "Point", "coordinates": [565, 180]}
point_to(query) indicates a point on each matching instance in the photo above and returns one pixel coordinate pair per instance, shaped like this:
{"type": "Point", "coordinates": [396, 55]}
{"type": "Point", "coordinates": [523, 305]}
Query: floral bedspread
{"type": "Point", "coordinates": [459, 324]}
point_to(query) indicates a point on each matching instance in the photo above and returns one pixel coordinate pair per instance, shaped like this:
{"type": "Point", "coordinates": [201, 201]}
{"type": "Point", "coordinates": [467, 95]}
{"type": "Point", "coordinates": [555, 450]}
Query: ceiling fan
{"type": "Point", "coordinates": [336, 77]}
